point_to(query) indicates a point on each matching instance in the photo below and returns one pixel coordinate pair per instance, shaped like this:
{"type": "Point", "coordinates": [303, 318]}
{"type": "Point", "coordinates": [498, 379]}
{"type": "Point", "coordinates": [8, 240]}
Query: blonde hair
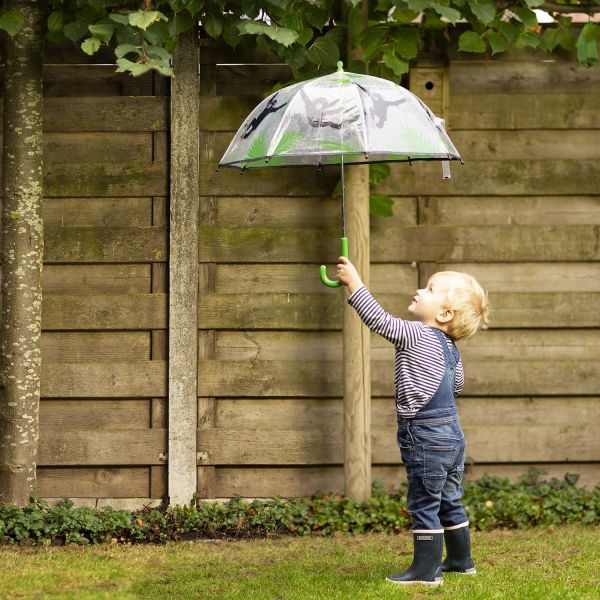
{"type": "Point", "coordinates": [470, 304]}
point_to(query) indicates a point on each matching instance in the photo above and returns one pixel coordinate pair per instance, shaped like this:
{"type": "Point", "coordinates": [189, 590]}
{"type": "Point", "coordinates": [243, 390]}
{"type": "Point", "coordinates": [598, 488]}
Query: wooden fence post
{"type": "Point", "coordinates": [183, 270]}
{"type": "Point", "coordinates": [357, 350]}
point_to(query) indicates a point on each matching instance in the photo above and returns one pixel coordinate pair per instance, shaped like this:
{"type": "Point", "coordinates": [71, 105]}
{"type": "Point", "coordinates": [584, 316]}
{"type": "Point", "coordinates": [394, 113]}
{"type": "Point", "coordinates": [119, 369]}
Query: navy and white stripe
{"type": "Point", "coordinates": [419, 361]}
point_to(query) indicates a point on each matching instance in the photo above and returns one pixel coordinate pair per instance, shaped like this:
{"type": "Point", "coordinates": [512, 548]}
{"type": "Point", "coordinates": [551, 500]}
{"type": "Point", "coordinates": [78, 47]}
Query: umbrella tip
{"type": "Point", "coordinates": [340, 66]}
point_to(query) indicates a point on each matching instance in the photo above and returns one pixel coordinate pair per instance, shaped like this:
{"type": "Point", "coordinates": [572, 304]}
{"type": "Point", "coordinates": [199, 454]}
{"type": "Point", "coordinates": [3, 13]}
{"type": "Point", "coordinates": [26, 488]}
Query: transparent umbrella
{"type": "Point", "coordinates": [337, 119]}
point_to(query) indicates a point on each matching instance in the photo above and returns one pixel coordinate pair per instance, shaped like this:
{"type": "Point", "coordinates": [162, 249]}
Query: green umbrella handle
{"type": "Point", "coordinates": [324, 278]}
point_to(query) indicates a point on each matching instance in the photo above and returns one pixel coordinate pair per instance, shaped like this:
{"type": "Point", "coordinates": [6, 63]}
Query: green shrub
{"type": "Point", "coordinates": [490, 502]}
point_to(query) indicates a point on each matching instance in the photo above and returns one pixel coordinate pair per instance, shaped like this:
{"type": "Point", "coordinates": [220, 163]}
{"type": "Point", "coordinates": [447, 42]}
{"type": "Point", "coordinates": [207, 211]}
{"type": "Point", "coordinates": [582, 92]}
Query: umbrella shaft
{"type": "Point", "coordinates": [343, 193]}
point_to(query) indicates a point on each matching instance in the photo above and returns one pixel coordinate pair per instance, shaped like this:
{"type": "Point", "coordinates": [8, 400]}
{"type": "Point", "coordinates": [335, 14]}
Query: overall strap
{"type": "Point", "coordinates": [451, 358]}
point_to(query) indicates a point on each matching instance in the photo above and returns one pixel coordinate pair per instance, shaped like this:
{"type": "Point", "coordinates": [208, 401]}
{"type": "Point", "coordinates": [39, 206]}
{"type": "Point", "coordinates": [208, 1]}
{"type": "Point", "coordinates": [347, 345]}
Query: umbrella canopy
{"type": "Point", "coordinates": [337, 119]}
{"type": "Point", "coordinates": [340, 118]}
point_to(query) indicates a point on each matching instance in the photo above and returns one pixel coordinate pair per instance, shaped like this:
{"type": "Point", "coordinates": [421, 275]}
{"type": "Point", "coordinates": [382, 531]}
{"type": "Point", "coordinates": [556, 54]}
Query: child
{"type": "Point", "coordinates": [428, 377]}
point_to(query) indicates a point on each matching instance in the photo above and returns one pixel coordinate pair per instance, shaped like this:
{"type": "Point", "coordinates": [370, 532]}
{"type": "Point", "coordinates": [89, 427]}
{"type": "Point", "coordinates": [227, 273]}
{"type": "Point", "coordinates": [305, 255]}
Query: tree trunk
{"type": "Point", "coordinates": [22, 253]}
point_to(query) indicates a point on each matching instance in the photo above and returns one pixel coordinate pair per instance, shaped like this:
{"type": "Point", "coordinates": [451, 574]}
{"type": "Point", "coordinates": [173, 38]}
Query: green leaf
{"type": "Point", "coordinates": [213, 25]}
{"type": "Point", "coordinates": [549, 39]}
{"type": "Point", "coordinates": [295, 56]}
{"type": "Point", "coordinates": [378, 172]}
{"type": "Point", "coordinates": [304, 36]}
{"type": "Point", "coordinates": [90, 45]}
{"type": "Point", "coordinates": [509, 29]}
{"type": "Point", "coordinates": [231, 34]}
{"type": "Point", "coordinates": [498, 43]}
{"type": "Point", "coordinates": [444, 11]}
{"type": "Point", "coordinates": [75, 30]}
{"type": "Point", "coordinates": [180, 22]}
{"type": "Point", "coordinates": [381, 205]}
{"type": "Point", "coordinates": [404, 16]}
{"type": "Point", "coordinates": [123, 49]}
{"type": "Point", "coordinates": [55, 21]}
{"type": "Point", "coordinates": [371, 40]}
{"type": "Point", "coordinates": [157, 34]}
{"type": "Point", "coordinates": [526, 15]}
{"type": "Point", "coordinates": [135, 68]}
{"type": "Point", "coordinates": [121, 18]}
{"type": "Point", "coordinates": [470, 41]}
{"type": "Point", "coordinates": [158, 52]}
{"type": "Point", "coordinates": [143, 19]}
{"type": "Point", "coordinates": [534, 3]}
{"type": "Point", "coordinates": [161, 66]}
{"type": "Point", "coordinates": [484, 10]}
{"type": "Point", "coordinates": [323, 51]}
{"type": "Point", "coordinates": [11, 21]}
{"type": "Point", "coordinates": [406, 42]}
{"type": "Point", "coordinates": [314, 16]}
{"type": "Point", "coordinates": [587, 44]}
{"type": "Point", "coordinates": [527, 38]}
{"type": "Point", "coordinates": [282, 35]}
{"type": "Point", "coordinates": [398, 66]}
{"type": "Point", "coordinates": [104, 31]}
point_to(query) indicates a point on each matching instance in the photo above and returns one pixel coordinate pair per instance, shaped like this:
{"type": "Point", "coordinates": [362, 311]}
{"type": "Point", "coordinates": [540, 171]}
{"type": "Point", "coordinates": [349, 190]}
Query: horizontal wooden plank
{"type": "Point", "coordinates": [491, 345]}
{"type": "Point", "coordinates": [91, 482]}
{"type": "Point", "coordinates": [523, 111]}
{"type": "Point", "coordinates": [325, 378]}
{"type": "Point", "coordinates": [301, 311]}
{"type": "Point", "coordinates": [105, 244]}
{"type": "Point", "coordinates": [93, 379]}
{"type": "Point", "coordinates": [124, 413]}
{"type": "Point", "coordinates": [495, 177]}
{"type": "Point", "coordinates": [400, 278]}
{"type": "Point", "coordinates": [522, 77]}
{"type": "Point", "coordinates": [77, 147]}
{"type": "Point", "coordinates": [104, 311]}
{"type": "Point", "coordinates": [392, 243]}
{"type": "Point", "coordinates": [312, 311]}
{"type": "Point", "coordinates": [290, 211]}
{"type": "Point", "coordinates": [510, 210]}
{"type": "Point", "coordinates": [495, 443]}
{"type": "Point", "coordinates": [474, 411]}
{"type": "Point", "coordinates": [97, 278]}
{"type": "Point", "coordinates": [96, 447]}
{"type": "Point", "coordinates": [96, 212]}
{"type": "Point", "coordinates": [475, 177]}
{"type": "Point", "coordinates": [447, 243]}
{"type": "Point", "coordinates": [267, 482]}
{"type": "Point", "coordinates": [293, 211]}
{"type": "Point", "coordinates": [578, 144]}
{"type": "Point", "coordinates": [130, 503]}
{"type": "Point", "coordinates": [85, 80]}
{"type": "Point", "coordinates": [105, 179]}
{"type": "Point", "coordinates": [71, 346]}
{"type": "Point", "coordinates": [106, 113]}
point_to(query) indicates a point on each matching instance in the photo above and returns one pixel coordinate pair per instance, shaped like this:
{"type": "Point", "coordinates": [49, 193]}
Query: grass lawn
{"type": "Point", "coordinates": [557, 563]}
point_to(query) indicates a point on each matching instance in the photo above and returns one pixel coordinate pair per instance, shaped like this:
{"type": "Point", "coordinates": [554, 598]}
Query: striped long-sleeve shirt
{"type": "Point", "coordinates": [419, 361]}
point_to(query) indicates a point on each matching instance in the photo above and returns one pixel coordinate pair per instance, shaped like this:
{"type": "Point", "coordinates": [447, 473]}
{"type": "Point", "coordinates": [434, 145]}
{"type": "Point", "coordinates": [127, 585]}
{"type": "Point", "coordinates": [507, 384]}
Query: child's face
{"type": "Point", "coordinates": [428, 303]}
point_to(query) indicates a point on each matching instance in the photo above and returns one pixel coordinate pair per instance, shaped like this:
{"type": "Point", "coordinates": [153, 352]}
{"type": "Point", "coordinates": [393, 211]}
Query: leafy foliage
{"type": "Point", "coordinates": [490, 502]}
{"type": "Point", "coordinates": [310, 35]}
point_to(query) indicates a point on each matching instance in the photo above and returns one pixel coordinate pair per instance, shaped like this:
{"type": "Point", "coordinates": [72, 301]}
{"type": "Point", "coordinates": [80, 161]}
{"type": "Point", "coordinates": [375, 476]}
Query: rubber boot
{"type": "Point", "coordinates": [458, 551]}
{"type": "Point", "coordinates": [426, 566]}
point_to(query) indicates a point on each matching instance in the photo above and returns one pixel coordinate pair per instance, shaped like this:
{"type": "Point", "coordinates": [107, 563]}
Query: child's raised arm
{"type": "Point", "coordinates": [400, 332]}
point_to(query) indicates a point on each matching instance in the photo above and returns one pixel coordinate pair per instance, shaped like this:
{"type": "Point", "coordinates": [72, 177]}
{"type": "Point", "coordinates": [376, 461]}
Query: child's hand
{"type": "Point", "coordinates": [347, 273]}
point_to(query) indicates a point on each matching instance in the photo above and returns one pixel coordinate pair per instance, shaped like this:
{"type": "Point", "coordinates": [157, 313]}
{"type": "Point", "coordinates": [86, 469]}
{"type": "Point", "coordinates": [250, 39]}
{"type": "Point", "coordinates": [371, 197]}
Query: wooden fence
{"type": "Point", "coordinates": [522, 215]}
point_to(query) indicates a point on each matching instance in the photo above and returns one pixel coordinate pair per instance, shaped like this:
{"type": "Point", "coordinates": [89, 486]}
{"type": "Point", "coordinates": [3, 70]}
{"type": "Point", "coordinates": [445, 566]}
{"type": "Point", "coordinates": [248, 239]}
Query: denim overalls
{"type": "Point", "coordinates": [432, 447]}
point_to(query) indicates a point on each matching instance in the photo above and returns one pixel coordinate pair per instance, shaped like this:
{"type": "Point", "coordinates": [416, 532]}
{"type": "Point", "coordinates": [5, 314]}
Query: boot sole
{"type": "Point", "coordinates": [467, 572]}
{"type": "Point", "coordinates": [436, 582]}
